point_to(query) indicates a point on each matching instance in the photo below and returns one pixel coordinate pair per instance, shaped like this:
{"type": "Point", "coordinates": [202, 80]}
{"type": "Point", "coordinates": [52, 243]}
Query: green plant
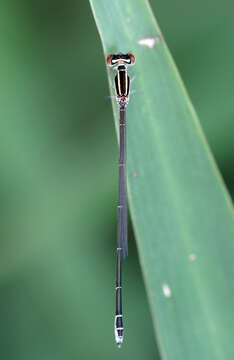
{"type": "Point", "coordinates": [181, 212]}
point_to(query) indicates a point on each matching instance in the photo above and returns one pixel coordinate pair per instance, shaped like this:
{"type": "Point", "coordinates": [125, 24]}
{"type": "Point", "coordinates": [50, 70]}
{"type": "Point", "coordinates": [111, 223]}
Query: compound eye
{"type": "Point", "coordinates": [132, 58]}
{"type": "Point", "coordinates": [109, 59]}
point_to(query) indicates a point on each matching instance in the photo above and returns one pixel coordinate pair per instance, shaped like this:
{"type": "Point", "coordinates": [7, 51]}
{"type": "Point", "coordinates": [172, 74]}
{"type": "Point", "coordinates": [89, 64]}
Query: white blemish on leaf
{"type": "Point", "coordinates": [150, 42]}
{"type": "Point", "coordinates": [166, 290]}
{"type": "Point", "coordinates": [192, 257]}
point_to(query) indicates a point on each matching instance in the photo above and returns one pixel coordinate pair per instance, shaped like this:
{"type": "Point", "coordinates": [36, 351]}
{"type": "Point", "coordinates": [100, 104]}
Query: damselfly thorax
{"type": "Point", "coordinates": [120, 63]}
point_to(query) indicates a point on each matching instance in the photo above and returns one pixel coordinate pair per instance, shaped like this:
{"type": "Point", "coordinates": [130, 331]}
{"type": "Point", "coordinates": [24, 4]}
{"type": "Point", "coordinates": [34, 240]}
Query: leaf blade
{"type": "Point", "coordinates": [180, 208]}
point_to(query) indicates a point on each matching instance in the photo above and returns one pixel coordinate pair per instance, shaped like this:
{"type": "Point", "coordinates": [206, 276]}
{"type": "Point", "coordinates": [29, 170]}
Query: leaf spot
{"type": "Point", "coordinates": [166, 290]}
{"type": "Point", "coordinates": [192, 257]}
{"type": "Point", "coordinates": [134, 174]}
{"type": "Point", "coordinates": [150, 42]}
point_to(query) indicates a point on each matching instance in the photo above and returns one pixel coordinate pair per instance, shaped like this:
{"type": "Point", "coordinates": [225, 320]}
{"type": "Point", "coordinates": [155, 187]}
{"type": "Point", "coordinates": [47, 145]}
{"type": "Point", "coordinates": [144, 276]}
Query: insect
{"type": "Point", "coordinates": [120, 63]}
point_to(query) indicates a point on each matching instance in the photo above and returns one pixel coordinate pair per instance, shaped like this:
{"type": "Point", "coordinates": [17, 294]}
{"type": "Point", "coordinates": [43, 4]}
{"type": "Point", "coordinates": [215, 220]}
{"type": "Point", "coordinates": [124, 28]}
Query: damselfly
{"type": "Point", "coordinates": [120, 63]}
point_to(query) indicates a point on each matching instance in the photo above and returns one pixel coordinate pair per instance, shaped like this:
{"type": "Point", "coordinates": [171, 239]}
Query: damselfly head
{"type": "Point", "coordinates": [115, 60]}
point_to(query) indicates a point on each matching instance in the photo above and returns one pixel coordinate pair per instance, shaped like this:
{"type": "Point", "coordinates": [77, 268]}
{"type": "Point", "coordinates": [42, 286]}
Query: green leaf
{"type": "Point", "coordinates": [182, 214]}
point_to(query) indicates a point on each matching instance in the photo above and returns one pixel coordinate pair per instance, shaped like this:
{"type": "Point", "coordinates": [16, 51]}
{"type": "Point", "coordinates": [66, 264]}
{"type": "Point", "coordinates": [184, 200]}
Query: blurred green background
{"type": "Point", "coordinates": [58, 173]}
